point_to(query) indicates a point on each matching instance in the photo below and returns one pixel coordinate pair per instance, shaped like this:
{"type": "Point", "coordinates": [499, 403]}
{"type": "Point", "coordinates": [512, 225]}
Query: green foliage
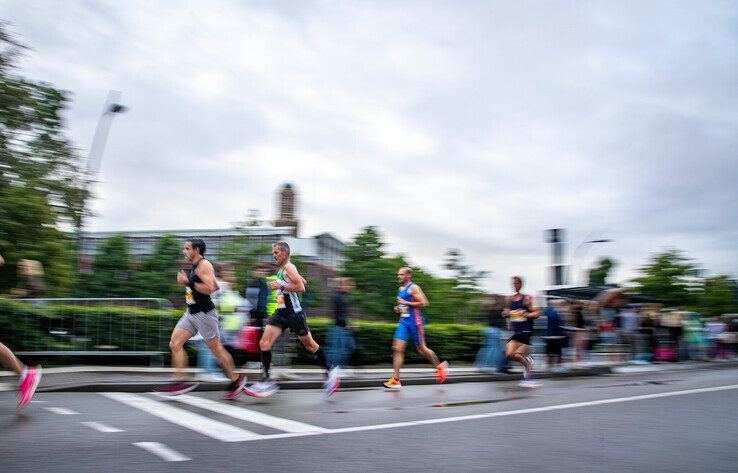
{"type": "Point", "coordinates": [42, 185]}
{"type": "Point", "coordinates": [598, 275]}
{"type": "Point", "coordinates": [454, 299]}
{"type": "Point", "coordinates": [666, 277]}
{"type": "Point", "coordinates": [111, 274]}
{"type": "Point", "coordinates": [157, 276]}
{"type": "Point", "coordinates": [245, 255]}
{"type": "Point", "coordinates": [717, 296]}
{"type": "Point", "coordinates": [374, 341]}
{"type": "Point", "coordinates": [93, 328]}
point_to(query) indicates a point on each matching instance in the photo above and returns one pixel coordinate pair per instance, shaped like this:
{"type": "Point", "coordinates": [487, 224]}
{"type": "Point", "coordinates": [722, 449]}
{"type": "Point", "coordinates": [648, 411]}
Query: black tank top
{"type": "Point", "coordinates": [197, 301]}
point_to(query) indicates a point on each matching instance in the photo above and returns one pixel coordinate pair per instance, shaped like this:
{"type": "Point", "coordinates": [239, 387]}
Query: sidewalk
{"type": "Point", "coordinates": [142, 379]}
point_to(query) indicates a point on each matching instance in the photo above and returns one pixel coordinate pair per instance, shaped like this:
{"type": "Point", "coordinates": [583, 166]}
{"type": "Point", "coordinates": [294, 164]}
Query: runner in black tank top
{"type": "Point", "coordinates": [200, 317]}
{"type": "Point", "coordinates": [521, 312]}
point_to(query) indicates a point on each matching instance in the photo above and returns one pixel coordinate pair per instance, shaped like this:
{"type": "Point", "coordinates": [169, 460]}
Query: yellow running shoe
{"type": "Point", "coordinates": [392, 383]}
{"type": "Point", "coordinates": [441, 372]}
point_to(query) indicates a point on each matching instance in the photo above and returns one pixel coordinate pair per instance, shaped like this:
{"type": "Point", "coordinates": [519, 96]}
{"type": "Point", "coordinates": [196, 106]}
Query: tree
{"type": "Point", "coordinates": [718, 296]}
{"type": "Point", "coordinates": [465, 285]}
{"type": "Point", "coordinates": [666, 277]}
{"type": "Point", "coordinates": [157, 275]}
{"type": "Point", "coordinates": [598, 275]}
{"type": "Point", "coordinates": [373, 274]}
{"type": "Point", "coordinates": [111, 274]}
{"type": "Point", "coordinates": [42, 184]}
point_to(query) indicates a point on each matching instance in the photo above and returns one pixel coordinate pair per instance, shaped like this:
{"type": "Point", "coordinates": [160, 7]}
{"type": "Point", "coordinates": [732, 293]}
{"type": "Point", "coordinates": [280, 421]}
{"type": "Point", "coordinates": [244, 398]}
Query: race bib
{"type": "Point", "coordinates": [518, 315]}
{"type": "Point", "coordinates": [189, 297]}
{"type": "Point", "coordinates": [280, 301]}
{"type": "Point", "coordinates": [403, 311]}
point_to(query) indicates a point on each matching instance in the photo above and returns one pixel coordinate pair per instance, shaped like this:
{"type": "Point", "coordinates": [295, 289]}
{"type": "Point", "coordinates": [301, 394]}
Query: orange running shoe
{"type": "Point", "coordinates": [442, 372]}
{"type": "Point", "coordinates": [392, 383]}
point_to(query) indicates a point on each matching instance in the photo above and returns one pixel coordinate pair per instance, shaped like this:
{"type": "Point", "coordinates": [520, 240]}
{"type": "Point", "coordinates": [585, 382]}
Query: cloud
{"type": "Point", "coordinates": [475, 125]}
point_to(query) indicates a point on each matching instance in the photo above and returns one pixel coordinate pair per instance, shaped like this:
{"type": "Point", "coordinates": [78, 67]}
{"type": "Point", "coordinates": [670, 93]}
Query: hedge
{"type": "Point", "coordinates": [24, 327]}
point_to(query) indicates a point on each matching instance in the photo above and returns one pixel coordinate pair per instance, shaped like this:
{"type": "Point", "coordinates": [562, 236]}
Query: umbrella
{"type": "Point", "coordinates": [613, 297]}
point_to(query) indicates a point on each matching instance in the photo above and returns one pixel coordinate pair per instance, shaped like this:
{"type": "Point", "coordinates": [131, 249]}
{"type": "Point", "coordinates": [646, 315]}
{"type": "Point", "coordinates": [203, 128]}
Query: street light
{"type": "Point", "coordinates": [585, 244]}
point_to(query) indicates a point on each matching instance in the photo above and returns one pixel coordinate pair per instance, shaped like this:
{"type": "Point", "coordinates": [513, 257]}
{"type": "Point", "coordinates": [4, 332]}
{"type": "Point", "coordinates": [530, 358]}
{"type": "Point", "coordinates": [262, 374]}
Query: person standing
{"type": "Point", "coordinates": [289, 315]}
{"type": "Point", "coordinates": [521, 312]}
{"type": "Point", "coordinates": [410, 301]}
{"type": "Point", "coordinates": [200, 317]}
{"type": "Point", "coordinates": [340, 339]}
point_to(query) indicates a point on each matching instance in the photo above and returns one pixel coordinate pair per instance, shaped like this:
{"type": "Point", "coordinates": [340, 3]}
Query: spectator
{"type": "Point", "coordinates": [555, 336]}
{"type": "Point", "coordinates": [341, 342]}
{"type": "Point", "coordinates": [491, 355]}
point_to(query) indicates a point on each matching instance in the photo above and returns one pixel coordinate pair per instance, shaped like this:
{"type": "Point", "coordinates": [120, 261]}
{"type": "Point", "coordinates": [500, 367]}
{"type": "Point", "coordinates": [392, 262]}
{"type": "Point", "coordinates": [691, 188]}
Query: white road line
{"type": "Point", "coordinates": [162, 451]}
{"type": "Point", "coordinates": [278, 423]}
{"type": "Point", "coordinates": [61, 411]}
{"type": "Point", "coordinates": [506, 413]}
{"type": "Point", "coordinates": [204, 425]}
{"type": "Point", "coordinates": [100, 427]}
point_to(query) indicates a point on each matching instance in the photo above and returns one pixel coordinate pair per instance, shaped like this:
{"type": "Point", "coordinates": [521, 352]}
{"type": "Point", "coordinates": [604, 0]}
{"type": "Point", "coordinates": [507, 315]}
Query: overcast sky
{"type": "Point", "coordinates": [474, 125]}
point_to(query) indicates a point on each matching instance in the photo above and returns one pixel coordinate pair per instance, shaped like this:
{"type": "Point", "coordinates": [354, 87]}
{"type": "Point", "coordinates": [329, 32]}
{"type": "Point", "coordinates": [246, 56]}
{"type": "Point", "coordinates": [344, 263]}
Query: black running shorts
{"type": "Point", "coordinates": [286, 319]}
{"type": "Point", "coordinates": [523, 338]}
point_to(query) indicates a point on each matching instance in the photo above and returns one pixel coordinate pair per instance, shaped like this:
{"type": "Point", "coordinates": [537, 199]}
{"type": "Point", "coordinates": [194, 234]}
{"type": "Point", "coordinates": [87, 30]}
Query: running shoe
{"type": "Point", "coordinates": [263, 388]}
{"type": "Point", "coordinates": [442, 372]}
{"type": "Point", "coordinates": [526, 371]}
{"type": "Point", "coordinates": [332, 383]}
{"type": "Point", "coordinates": [28, 385]}
{"type": "Point", "coordinates": [392, 383]}
{"type": "Point", "coordinates": [234, 389]}
{"type": "Point", "coordinates": [529, 384]}
{"type": "Point", "coordinates": [175, 389]}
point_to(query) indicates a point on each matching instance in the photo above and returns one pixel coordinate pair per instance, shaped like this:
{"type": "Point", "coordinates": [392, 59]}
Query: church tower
{"type": "Point", "coordinates": [287, 216]}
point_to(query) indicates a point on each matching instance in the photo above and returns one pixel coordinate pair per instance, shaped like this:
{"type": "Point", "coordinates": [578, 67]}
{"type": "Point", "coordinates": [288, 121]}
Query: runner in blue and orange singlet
{"type": "Point", "coordinates": [410, 299]}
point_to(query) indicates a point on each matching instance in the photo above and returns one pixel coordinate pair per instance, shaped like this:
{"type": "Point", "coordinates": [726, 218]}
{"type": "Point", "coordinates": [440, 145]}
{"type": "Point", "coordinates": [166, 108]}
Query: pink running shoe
{"type": "Point", "coordinates": [28, 387]}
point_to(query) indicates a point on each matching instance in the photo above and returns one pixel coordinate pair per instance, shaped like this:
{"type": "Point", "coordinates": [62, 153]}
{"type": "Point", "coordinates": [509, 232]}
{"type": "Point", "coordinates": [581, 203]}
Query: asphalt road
{"type": "Point", "coordinates": [671, 421]}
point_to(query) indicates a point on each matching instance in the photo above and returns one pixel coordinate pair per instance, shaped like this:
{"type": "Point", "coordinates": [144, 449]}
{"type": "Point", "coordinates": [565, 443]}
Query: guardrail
{"type": "Point", "coordinates": [68, 331]}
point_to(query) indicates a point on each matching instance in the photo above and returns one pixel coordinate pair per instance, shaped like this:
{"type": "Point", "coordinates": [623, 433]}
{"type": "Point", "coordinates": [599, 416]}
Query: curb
{"type": "Point", "coordinates": [146, 386]}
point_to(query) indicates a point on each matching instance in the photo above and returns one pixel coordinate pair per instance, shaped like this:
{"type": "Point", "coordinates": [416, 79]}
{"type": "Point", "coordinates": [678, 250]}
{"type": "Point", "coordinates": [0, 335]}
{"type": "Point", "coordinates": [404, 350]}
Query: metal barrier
{"type": "Point", "coordinates": [67, 327]}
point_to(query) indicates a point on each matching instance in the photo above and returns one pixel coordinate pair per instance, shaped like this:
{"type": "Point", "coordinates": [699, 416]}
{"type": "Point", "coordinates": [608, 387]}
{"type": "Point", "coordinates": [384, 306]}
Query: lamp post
{"type": "Point", "coordinates": [111, 108]}
{"type": "Point", "coordinates": [586, 245]}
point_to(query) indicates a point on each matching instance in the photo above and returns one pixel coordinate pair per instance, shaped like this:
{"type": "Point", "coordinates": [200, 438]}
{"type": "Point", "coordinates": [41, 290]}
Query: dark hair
{"type": "Point", "coordinates": [197, 243]}
{"type": "Point", "coordinates": [283, 246]}
{"type": "Point", "coordinates": [520, 280]}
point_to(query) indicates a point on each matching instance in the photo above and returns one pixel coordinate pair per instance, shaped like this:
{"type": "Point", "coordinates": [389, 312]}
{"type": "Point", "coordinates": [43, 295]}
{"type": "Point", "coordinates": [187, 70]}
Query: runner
{"type": "Point", "coordinates": [28, 376]}
{"type": "Point", "coordinates": [289, 315]}
{"type": "Point", "coordinates": [521, 312]}
{"type": "Point", "coordinates": [410, 299]}
{"type": "Point", "coordinates": [201, 317]}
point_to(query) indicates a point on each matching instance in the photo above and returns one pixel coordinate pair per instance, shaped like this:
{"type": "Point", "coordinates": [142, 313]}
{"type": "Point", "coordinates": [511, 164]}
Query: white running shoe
{"type": "Point", "coordinates": [529, 384]}
{"type": "Point", "coordinates": [333, 382]}
{"type": "Point", "coordinates": [263, 388]}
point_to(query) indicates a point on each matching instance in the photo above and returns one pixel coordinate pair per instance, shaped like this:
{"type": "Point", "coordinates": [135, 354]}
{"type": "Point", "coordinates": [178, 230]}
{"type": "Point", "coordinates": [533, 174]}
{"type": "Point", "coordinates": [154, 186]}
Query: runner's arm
{"type": "Point", "coordinates": [297, 282]}
{"type": "Point", "coordinates": [207, 275]}
{"type": "Point", "coordinates": [420, 299]}
{"type": "Point", "coordinates": [533, 313]}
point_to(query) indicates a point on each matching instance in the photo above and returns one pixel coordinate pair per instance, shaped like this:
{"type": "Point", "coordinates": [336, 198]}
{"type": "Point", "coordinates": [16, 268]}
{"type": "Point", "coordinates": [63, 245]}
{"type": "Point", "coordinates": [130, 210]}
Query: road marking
{"type": "Point", "coordinates": [61, 411]}
{"type": "Point", "coordinates": [506, 413]}
{"type": "Point", "coordinates": [100, 427]}
{"type": "Point", "coordinates": [187, 419]}
{"type": "Point", "coordinates": [162, 451]}
{"type": "Point", "coordinates": [278, 423]}
{"type": "Point", "coordinates": [204, 425]}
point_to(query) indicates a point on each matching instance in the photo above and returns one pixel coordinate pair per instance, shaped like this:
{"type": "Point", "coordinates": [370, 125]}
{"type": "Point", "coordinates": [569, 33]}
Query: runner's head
{"type": "Point", "coordinates": [281, 252]}
{"type": "Point", "coordinates": [517, 283]}
{"type": "Point", "coordinates": [404, 275]}
{"type": "Point", "coordinates": [193, 247]}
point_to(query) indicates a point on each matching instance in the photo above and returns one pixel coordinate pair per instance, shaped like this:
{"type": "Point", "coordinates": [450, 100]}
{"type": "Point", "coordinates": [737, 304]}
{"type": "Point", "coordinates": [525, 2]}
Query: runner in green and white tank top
{"type": "Point", "coordinates": [287, 300]}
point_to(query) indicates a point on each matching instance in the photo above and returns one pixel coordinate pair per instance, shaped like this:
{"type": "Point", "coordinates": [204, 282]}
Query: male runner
{"type": "Point", "coordinates": [521, 312]}
{"type": "Point", "coordinates": [28, 376]}
{"type": "Point", "coordinates": [410, 299]}
{"type": "Point", "coordinates": [201, 317]}
{"type": "Point", "coordinates": [289, 314]}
